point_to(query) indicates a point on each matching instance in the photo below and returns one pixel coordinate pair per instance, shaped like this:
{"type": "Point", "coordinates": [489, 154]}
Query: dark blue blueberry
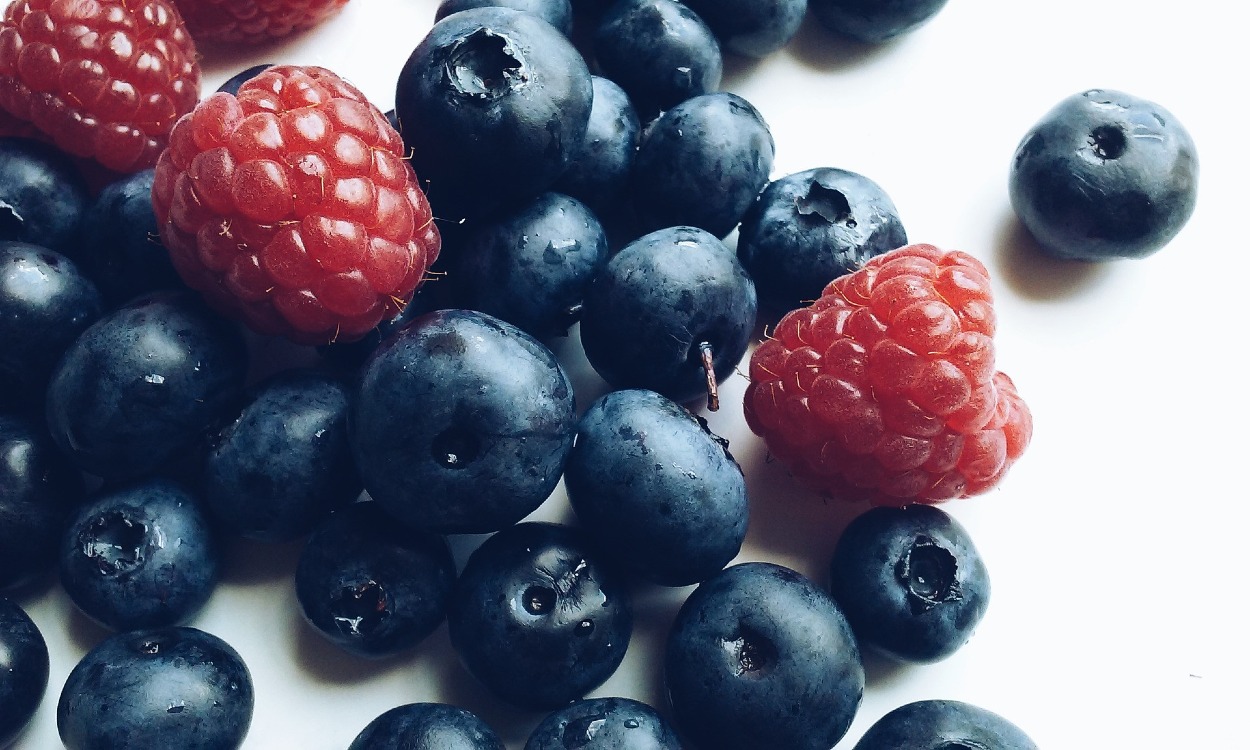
{"type": "Point", "coordinates": [23, 670]}
{"type": "Point", "coordinates": [910, 582]}
{"type": "Point", "coordinates": [809, 228]}
{"type": "Point", "coordinates": [655, 489]}
{"type": "Point", "coordinates": [38, 488]}
{"type": "Point", "coordinates": [702, 164]}
{"type": "Point", "coordinates": [372, 587]}
{"type": "Point", "coordinates": [42, 195]}
{"type": "Point", "coordinates": [536, 619]}
{"type": "Point", "coordinates": [1104, 175]}
{"type": "Point", "coordinates": [754, 28]}
{"type": "Point", "coordinates": [494, 102]}
{"type": "Point", "coordinates": [604, 724]}
{"type": "Point", "coordinates": [874, 20]}
{"type": "Point", "coordinates": [156, 690]}
{"type": "Point", "coordinates": [427, 726]}
{"type": "Point", "coordinates": [599, 173]}
{"type": "Point", "coordinates": [143, 384]}
{"type": "Point", "coordinates": [943, 725]}
{"type": "Point", "coordinates": [668, 308]}
{"type": "Point", "coordinates": [760, 657]}
{"type": "Point", "coordinates": [462, 423]}
{"type": "Point", "coordinates": [284, 463]}
{"type": "Point", "coordinates": [45, 303]}
{"type": "Point", "coordinates": [231, 86]}
{"type": "Point", "coordinates": [531, 266]}
{"type": "Point", "coordinates": [139, 556]}
{"type": "Point", "coordinates": [659, 51]}
{"type": "Point", "coordinates": [558, 13]}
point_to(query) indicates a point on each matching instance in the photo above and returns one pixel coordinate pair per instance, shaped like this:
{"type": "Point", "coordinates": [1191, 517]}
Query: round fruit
{"type": "Point", "coordinates": [23, 670]}
{"type": "Point", "coordinates": [943, 724]}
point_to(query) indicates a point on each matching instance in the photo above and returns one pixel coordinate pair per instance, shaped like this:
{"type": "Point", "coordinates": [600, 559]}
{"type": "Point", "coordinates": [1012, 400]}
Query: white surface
{"type": "Point", "coordinates": [1114, 545]}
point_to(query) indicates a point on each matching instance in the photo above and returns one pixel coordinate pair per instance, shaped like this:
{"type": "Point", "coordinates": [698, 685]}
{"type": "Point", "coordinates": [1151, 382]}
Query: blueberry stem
{"type": "Point", "coordinates": [713, 397]}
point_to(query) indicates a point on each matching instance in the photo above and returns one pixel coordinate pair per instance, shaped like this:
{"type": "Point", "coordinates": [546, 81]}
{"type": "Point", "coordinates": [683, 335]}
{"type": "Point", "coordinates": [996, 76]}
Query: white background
{"type": "Point", "coordinates": [1115, 545]}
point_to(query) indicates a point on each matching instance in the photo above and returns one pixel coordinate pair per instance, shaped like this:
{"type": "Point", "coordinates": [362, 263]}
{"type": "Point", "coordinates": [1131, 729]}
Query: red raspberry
{"type": "Point", "coordinates": [291, 206]}
{"type": "Point", "coordinates": [885, 387]}
{"type": "Point", "coordinates": [103, 79]}
{"type": "Point", "coordinates": [253, 21]}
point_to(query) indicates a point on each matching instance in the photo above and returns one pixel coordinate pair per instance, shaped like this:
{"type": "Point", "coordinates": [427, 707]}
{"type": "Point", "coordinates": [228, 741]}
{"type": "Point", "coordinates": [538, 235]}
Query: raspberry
{"type": "Point", "coordinates": [103, 79]}
{"type": "Point", "coordinates": [885, 389]}
{"type": "Point", "coordinates": [253, 21]}
{"type": "Point", "coordinates": [291, 207]}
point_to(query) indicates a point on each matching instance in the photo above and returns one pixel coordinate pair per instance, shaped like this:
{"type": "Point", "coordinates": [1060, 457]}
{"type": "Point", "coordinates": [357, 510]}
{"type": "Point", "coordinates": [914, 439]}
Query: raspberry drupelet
{"type": "Point", "coordinates": [253, 21]}
{"type": "Point", "coordinates": [292, 207]}
{"type": "Point", "coordinates": [885, 389]}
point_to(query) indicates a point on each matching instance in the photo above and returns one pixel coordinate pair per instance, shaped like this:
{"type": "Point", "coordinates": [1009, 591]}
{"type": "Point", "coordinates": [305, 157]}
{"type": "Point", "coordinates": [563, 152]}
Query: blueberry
{"type": "Point", "coordinates": [427, 726]}
{"type": "Point", "coordinates": [558, 13]}
{"type": "Point", "coordinates": [38, 488]}
{"type": "Point", "coordinates": [45, 303]}
{"type": "Point", "coordinates": [42, 195]}
{"type": "Point", "coordinates": [702, 164]}
{"type": "Point", "coordinates": [604, 724]}
{"type": "Point", "coordinates": [943, 725]}
{"type": "Point", "coordinates": [143, 384]}
{"type": "Point", "coordinates": [656, 489]}
{"type": "Point", "coordinates": [754, 28]}
{"type": "Point", "coordinates": [809, 228]}
{"type": "Point", "coordinates": [874, 21]}
{"type": "Point", "coordinates": [462, 423]}
{"type": "Point", "coordinates": [139, 556]}
{"type": "Point", "coordinates": [157, 689]}
{"type": "Point", "coordinates": [493, 102]}
{"type": "Point", "coordinates": [232, 85]}
{"type": "Point", "coordinates": [23, 670]}
{"type": "Point", "coordinates": [537, 619]}
{"type": "Point", "coordinates": [1104, 175]}
{"type": "Point", "coordinates": [672, 312]}
{"type": "Point", "coordinates": [910, 581]}
{"type": "Point", "coordinates": [598, 174]}
{"type": "Point", "coordinates": [760, 657]}
{"type": "Point", "coordinates": [531, 266]}
{"type": "Point", "coordinates": [284, 463]}
{"type": "Point", "coordinates": [659, 51]}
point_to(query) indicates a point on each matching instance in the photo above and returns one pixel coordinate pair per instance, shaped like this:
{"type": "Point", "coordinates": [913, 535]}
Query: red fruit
{"type": "Point", "coordinates": [292, 208]}
{"type": "Point", "coordinates": [253, 21]}
{"type": "Point", "coordinates": [102, 79]}
{"type": "Point", "coordinates": [885, 387]}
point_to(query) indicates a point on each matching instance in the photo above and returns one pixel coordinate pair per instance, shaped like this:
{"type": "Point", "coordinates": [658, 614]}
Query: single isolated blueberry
{"type": "Point", "coordinates": [753, 28]}
{"type": "Point", "coordinates": [427, 726]}
{"type": "Point", "coordinates": [537, 619]}
{"type": "Point", "coordinates": [558, 13]}
{"type": "Point", "coordinates": [807, 229]}
{"type": "Point", "coordinates": [760, 657]}
{"type": "Point", "coordinates": [943, 725]}
{"type": "Point", "coordinates": [155, 690]}
{"type": "Point", "coordinates": [23, 670]}
{"type": "Point", "coordinates": [1104, 175]}
{"type": "Point", "coordinates": [598, 174]}
{"type": "Point", "coordinates": [604, 724]}
{"type": "Point", "coordinates": [372, 587]}
{"type": "Point", "coordinates": [874, 21]}
{"type": "Point", "coordinates": [42, 195]}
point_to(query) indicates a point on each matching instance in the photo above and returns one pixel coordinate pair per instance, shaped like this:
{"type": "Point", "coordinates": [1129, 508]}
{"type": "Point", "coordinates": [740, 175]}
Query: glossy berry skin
{"type": "Point", "coordinates": [759, 656]}
{"type": "Point", "coordinates": [42, 195]}
{"type": "Point", "coordinates": [910, 582]}
{"type": "Point", "coordinates": [655, 489]}
{"type": "Point", "coordinates": [657, 302]}
{"type": "Point", "coordinates": [493, 102]}
{"type": "Point", "coordinates": [140, 556]}
{"type": "Point", "coordinates": [427, 726]}
{"type": "Point", "coordinates": [659, 51]}
{"type": "Point", "coordinates": [371, 587]}
{"type": "Point", "coordinates": [702, 163]}
{"type": "Point", "coordinates": [461, 423]}
{"type": "Point", "coordinates": [38, 489]}
{"type": "Point", "coordinates": [807, 229]}
{"type": "Point", "coordinates": [531, 266]}
{"type": "Point", "coordinates": [291, 207]}
{"type": "Point", "coordinates": [599, 171]}
{"type": "Point", "coordinates": [252, 22]}
{"type": "Point", "coordinates": [874, 21]}
{"type": "Point", "coordinates": [558, 13]}
{"type": "Point", "coordinates": [143, 384]}
{"type": "Point", "coordinates": [103, 80]}
{"type": "Point", "coordinates": [941, 724]}
{"type": "Point", "coordinates": [885, 389]}
{"type": "Point", "coordinates": [751, 27]}
{"type": "Point", "coordinates": [45, 303]}
{"type": "Point", "coordinates": [604, 724]}
{"type": "Point", "coordinates": [155, 689]}
{"type": "Point", "coordinates": [537, 618]}
{"type": "Point", "coordinates": [1104, 175]}
{"type": "Point", "coordinates": [23, 670]}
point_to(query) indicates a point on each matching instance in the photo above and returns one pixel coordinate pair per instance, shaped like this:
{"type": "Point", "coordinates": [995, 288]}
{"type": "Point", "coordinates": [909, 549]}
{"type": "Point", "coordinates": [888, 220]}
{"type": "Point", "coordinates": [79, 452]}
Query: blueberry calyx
{"type": "Point", "coordinates": [821, 203]}
{"type": "Point", "coordinates": [358, 610]}
{"type": "Point", "coordinates": [484, 65]}
{"type": "Point", "coordinates": [928, 571]}
{"type": "Point", "coordinates": [754, 654]}
{"type": "Point", "coordinates": [116, 543]}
